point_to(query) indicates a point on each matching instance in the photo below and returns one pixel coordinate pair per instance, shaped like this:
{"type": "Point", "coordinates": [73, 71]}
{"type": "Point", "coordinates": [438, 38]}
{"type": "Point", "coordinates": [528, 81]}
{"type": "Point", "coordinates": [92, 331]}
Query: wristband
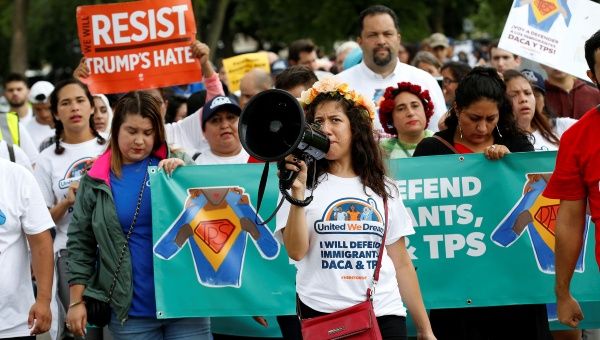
{"type": "Point", "coordinates": [77, 303]}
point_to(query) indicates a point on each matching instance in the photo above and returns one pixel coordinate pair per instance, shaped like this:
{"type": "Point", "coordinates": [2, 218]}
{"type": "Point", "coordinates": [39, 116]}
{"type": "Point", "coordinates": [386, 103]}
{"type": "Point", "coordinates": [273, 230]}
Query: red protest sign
{"type": "Point", "coordinates": [138, 45]}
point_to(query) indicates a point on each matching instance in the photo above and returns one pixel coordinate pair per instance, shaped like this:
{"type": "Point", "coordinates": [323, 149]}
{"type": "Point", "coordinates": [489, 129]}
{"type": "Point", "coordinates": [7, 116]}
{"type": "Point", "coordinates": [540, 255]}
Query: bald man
{"type": "Point", "coordinates": [252, 83]}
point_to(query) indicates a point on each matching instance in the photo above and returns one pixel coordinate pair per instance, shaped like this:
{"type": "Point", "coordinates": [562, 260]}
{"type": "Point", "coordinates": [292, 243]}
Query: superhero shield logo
{"type": "Point", "coordinates": [543, 13]}
{"type": "Point", "coordinates": [537, 213]}
{"type": "Point", "coordinates": [215, 223]}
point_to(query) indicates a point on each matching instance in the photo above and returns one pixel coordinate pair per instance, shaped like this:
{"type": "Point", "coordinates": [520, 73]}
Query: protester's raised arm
{"type": "Point", "coordinates": [201, 51]}
{"type": "Point", "coordinates": [82, 71]}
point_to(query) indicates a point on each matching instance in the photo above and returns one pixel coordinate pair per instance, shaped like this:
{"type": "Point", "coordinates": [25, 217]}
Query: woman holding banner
{"type": "Point", "coordinates": [351, 174]}
{"type": "Point", "coordinates": [110, 235]}
{"type": "Point", "coordinates": [481, 121]}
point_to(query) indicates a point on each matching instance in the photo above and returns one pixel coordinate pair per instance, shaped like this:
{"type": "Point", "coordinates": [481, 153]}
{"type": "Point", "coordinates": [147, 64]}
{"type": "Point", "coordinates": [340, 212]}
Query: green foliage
{"type": "Point", "coordinates": [490, 17]}
{"type": "Point", "coordinates": [279, 21]}
{"type": "Point", "coordinates": [52, 29]}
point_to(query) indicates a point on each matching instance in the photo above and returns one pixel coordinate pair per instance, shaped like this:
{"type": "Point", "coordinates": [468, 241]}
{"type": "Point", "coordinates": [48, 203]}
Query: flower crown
{"type": "Point", "coordinates": [386, 106]}
{"type": "Point", "coordinates": [334, 87]}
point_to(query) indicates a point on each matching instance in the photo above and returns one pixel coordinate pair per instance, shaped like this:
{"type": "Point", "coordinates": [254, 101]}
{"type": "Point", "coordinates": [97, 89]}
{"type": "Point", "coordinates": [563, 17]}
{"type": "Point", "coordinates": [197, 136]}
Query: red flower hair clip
{"type": "Point", "coordinates": [386, 107]}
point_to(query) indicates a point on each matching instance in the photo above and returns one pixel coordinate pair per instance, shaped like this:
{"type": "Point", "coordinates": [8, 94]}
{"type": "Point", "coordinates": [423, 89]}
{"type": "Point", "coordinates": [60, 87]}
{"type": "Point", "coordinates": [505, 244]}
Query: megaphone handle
{"type": "Point", "coordinates": [286, 177]}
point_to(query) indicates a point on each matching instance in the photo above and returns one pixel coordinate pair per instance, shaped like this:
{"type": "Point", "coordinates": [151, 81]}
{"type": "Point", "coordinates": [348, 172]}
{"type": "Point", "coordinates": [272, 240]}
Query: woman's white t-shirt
{"type": "Point", "coordinates": [339, 264]}
{"type": "Point", "coordinates": [54, 173]}
{"type": "Point", "coordinates": [561, 125]}
{"type": "Point", "coordinates": [208, 157]}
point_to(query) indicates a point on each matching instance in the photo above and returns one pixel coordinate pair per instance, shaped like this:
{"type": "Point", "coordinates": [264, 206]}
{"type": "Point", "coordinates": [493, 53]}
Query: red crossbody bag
{"type": "Point", "coordinates": [355, 322]}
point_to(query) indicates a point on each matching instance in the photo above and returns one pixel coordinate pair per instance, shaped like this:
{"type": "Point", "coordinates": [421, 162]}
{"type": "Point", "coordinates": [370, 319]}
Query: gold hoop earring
{"type": "Point", "coordinates": [460, 131]}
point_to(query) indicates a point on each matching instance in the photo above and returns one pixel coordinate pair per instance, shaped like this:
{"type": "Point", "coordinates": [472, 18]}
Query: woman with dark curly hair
{"type": "Point", "coordinates": [351, 174]}
{"type": "Point", "coordinates": [405, 112]}
{"type": "Point", "coordinates": [480, 120]}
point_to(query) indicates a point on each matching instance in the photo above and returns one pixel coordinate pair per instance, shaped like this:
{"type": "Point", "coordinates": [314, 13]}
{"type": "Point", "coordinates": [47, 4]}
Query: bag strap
{"type": "Point", "coordinates": [371, 289]}
{"type": "Point", "coordinates": [445, 142]}
{"type": "Point", "coordinates": [135, 215]}
{"type": "Point", "coordinates": [11, 152]}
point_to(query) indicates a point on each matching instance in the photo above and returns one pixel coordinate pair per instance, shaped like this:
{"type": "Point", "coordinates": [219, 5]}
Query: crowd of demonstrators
{"type": "Point", "coordinates": [176, 109]}
{"type": "Point", "coordinates": [482, 122]}
{"type": "Point", "coordinates": [59, 169]}
{"type": "Point", "coordinates": [16, 92]}
{"type": "Point", "coordinates": [295, 80]}
{"type": "Point", "coordinates": [41, 125]}
{"type": "Point", "coordinates": [452, 73]}
{"type": "Point", "coordinates": [379, 39]}
{"type": "Point", "coordinates": [341, 52]}
{"type": "Point", "coordinates": [12, 123]}
{"type": "Point", "coordinates": [252, 83]}
{"type": "Point", "coordinates": [546, 131]}
{"type": "Point", "coordinates": [503, 60]}
{"type": "Point", "coordinates": [575, 182]}
{"type": "Point", "coordinates": [220, 127]}
{"type": "Point", "coordinates": [102, 113]}
{"type": "Point", "coordinates": [440, 46]}
{"type": "Point", "coordinates": [304, 52]}
{"type": "Point", "coordinates": [113, 214]}
{"type": "Point", "coordinates": [568, 96]}
{"type": "Point", "coordinates": [14, 154]}
{"type": "Point", "coordinates": [352, 169]}
{"type": "Point", "coordinates": [24, 234]}
{"type": "Point", "coordinates": [428, 62]}
{"type": "Point", "coordinates": [404, 112]}
{"type": "Point", "coordinates": [477, 111]}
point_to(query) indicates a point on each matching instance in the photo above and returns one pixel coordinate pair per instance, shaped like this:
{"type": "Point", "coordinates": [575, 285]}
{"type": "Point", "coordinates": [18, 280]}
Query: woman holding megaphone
{"type": "Point", "coordinates": [338, 259]}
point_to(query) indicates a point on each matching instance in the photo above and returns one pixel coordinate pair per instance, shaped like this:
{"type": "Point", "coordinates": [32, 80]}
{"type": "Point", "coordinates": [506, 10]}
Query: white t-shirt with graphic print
{"type": "Point", "coordinates": [54, 173]}
{"type": "Point", "coordinates": [561, 125]}
{"type": "Point", "coordinates": [341, 257]}
{"type": "Point", "coordinates": [22, 212]}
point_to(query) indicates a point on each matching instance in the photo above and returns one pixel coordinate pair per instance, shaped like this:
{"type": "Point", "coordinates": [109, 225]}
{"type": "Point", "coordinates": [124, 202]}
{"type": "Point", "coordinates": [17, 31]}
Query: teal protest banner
{"type": "Point", "coordinates": [484, 231]}
{"type": "Point", "coordinates": [213, 255]}
{"type": "Point", "coordinates": [484, 237]}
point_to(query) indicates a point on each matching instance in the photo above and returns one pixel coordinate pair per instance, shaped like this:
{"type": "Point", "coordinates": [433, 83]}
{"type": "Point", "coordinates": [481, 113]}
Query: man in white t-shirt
{"type": "Point", "coordinates": [41, 126]}
{"type": "Point", "coordinates": [24, 219]}
{"type": "Point", "coordinates": [380, 68]}
{"type": "Point", "coordinates": [220, 128]}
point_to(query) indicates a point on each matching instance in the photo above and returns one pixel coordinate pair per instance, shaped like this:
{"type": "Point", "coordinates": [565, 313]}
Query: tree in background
{"type": "Point", "coordinates": [48, 27]}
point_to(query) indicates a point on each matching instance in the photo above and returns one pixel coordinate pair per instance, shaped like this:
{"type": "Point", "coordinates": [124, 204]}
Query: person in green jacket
{"type": "Point", "coordinates": [110, 236]}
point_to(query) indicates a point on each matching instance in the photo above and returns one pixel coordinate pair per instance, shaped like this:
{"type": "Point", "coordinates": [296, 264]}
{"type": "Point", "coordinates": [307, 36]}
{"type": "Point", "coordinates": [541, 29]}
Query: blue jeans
{"type": "Point", "coordinates": [136, 328]}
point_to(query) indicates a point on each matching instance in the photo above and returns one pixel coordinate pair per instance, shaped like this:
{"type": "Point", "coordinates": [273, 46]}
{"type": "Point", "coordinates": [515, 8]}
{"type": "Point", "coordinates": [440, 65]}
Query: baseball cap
{"type": "Point", "coordinates": [438, 39]}
{"type": "Point", "coordinates": [536, 79]}
{"type": "Point", "coordinates": [217, 104]}
{"type": "Point", "coordinates": [278, 66]}
{"type": "Point", "coordinates": [40, 92]}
